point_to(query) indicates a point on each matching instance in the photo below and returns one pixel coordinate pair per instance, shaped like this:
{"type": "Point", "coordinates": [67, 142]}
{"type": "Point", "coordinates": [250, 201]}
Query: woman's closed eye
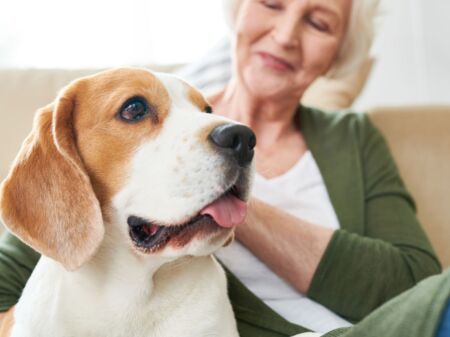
{"type": "Point", "coordinates": [318, 24]}
{"type": "Point", "coordinates": [272, 4]}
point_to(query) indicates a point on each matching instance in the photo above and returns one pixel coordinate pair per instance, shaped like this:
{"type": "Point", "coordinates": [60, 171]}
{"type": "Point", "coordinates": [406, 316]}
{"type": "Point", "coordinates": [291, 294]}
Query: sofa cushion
{"type": "Point", "coordinates": [22, 92]}
{"type": "Point", "coordinates": [419, 139]}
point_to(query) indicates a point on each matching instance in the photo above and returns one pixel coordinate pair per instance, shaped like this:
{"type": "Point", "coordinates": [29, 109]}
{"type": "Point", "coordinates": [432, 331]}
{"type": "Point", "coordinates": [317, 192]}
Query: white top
{"type": "Point", "coordinates": [302, 193]}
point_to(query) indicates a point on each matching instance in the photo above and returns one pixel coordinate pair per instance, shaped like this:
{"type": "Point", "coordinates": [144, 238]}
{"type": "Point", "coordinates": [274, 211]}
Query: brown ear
{"type": "Point", "coordinates": [47, 199]}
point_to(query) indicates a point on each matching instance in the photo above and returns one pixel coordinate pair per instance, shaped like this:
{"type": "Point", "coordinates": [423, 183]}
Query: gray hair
{"type": "Point", "coordinates": [357, 41]}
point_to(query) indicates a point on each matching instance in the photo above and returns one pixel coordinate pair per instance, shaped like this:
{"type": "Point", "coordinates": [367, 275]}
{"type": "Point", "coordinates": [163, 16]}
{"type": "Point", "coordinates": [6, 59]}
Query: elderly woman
{"type": "Point", "coordinates": [331, 232]}
{"type": "Point", "coordinates": [330, 217]}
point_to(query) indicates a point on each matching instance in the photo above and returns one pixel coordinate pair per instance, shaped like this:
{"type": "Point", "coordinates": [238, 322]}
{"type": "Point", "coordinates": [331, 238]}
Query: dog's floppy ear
{"type": "Point", "coordinates": [47, 200]}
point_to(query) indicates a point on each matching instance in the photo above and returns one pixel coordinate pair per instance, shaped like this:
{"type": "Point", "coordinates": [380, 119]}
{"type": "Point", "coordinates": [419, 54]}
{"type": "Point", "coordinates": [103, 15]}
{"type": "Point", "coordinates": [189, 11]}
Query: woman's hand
{"type": "Point", "coordinates": [291, 247]}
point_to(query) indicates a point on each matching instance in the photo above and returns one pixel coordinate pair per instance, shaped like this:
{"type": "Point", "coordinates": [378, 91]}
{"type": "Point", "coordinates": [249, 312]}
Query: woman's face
{"type": "Point", "coordinates": [282, 46]}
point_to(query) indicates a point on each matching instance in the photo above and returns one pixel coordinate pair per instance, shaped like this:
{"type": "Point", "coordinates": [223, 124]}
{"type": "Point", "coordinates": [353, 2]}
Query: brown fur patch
{"type": "Point", "coordinates": [6, 323]}
{"type": "Point", "coordinates": [61, 217]}
{"type": "Point", "coordinates": [74, 161]}
{"type": "Point", "coordinates": [197, 99]}
{"type": "Point", "coordinates": [107, 143]}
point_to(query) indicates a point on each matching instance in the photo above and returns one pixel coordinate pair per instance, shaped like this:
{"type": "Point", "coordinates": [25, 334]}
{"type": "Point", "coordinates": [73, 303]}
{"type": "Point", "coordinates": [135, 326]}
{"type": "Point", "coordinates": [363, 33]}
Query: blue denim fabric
{"type": "Point", "coordinates": [444, 328]}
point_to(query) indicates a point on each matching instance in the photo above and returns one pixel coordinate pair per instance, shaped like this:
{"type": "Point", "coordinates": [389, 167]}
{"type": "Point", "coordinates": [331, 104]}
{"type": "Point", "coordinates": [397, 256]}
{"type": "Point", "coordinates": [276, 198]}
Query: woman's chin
{"type": "Point", "coordinates": [271, 85]}
{"type": "Point", "coordinates": [269, 89]}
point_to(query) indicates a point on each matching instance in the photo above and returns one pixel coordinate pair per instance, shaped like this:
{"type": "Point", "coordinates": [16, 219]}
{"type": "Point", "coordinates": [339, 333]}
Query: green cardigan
{"type": "Point", "coordinates": [414, 313]}
{"type": "Point", "coordinates": [380, 250]}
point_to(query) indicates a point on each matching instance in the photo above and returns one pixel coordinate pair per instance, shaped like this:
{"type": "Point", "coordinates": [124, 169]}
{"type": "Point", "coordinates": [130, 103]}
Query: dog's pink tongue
{"type": "Point", "coordinates": [228, 211]}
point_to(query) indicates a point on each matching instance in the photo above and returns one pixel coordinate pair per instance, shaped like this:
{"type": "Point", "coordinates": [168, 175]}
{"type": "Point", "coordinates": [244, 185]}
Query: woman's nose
{"type": "Point", "coordinates": [287, 31]}
{"type": "Point", "coordinates": [237, 140]}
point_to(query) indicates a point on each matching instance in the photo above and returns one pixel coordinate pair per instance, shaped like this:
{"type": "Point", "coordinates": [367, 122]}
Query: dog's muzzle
{"type": "Point", "coordinates": [219, 216]}
{"type": "Point", "coordinates": [227, 209]}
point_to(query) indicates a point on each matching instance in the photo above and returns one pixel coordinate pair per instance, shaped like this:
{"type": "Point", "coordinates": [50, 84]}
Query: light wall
{"type": "Point", "coordinates": [105, 33]}
{"type": "Point", "coordinates": [413, 55]}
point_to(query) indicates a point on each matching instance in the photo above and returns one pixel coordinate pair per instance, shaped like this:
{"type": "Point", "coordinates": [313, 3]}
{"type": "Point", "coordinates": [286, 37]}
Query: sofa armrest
{"type": "Point", "coordinates": [419, 140]}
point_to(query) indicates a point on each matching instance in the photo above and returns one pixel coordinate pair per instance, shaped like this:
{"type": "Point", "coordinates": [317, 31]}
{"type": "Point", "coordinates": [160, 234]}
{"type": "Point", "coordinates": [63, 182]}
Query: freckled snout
{"type": "Point", "coordinates": [237, 140]}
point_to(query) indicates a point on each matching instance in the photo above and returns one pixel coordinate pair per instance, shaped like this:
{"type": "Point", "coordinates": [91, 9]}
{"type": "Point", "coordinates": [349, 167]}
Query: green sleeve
{"type": "Point", "coordinates": [415, 313]}
{"type": "Point", "coordinates": [253, 317]}
{"type": "Point", "coordinates": [359, 272]}
{"type": "Point", "coordinates": [17, 261]}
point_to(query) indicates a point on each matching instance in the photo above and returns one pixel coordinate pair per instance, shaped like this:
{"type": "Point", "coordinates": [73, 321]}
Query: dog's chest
{"type": "Point", "coordinates": [188, 304]}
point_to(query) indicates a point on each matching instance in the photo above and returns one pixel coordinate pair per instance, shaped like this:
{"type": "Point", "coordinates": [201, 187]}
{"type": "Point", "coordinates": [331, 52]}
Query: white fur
{"type": "Point", "coordinates": [120, 293]}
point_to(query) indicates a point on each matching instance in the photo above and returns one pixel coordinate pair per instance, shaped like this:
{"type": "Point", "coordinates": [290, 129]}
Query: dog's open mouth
{"type": "Point", "coordinates": [224, 213]}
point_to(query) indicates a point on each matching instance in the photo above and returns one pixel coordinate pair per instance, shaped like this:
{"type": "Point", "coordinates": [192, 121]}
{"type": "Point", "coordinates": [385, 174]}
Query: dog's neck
{"type": "Point", "coordinates": [117, 269]}
{"type": "Point", "coordinates": [115, 286]}
{"type": "Point", "coordinates": [117, 266]}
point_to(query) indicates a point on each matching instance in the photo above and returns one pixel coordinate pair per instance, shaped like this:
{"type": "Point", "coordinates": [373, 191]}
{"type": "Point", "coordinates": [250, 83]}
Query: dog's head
{"type": "Point", "coordinates": [136, 151]}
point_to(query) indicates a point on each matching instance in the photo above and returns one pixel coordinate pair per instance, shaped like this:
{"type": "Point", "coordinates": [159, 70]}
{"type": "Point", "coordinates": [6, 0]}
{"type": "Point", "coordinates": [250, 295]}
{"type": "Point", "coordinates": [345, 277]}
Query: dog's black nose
{"type": "Point", "coordinates": [239, 140]}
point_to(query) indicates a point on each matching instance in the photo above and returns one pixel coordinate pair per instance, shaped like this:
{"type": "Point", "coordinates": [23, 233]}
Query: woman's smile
{"type": "Point", "coordinates": [275, 62]}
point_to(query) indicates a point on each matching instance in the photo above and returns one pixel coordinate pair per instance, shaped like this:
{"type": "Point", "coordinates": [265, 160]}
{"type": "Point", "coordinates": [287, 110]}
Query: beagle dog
{"type": "Point", "coordinates": [126, 186]}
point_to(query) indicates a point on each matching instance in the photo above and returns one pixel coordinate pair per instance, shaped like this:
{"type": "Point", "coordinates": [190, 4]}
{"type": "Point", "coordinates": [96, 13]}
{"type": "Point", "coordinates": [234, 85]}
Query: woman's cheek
{"type": "Point", "coordinates": [319, 53]}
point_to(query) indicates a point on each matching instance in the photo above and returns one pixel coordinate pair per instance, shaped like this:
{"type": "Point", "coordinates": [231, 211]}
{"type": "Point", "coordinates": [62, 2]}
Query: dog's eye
{"type": "Point", "coordinates": [134, 110]}
{"type": "Point", "coordinates": [208, 109]}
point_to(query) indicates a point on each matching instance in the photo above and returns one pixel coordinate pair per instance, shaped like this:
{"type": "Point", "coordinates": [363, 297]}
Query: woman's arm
{"type": "Point", "coordinates": [355, 273]}
{"type": "Point", "coordinates": [17, 261]}
{"type": "Point", "coordinates": [6, 322]}
{"type": "Point", "coordinates": [290, 246]}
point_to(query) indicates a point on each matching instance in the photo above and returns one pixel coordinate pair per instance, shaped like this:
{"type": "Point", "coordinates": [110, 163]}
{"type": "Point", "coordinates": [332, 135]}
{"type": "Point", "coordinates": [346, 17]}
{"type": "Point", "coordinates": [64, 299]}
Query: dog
{"type": "Point", "coordinates": [126, 185]}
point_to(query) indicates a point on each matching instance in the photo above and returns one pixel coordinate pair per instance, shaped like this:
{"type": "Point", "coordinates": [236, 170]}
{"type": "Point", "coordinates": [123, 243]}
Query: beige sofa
{"type": "Point", "coordinates": [419, 138]}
